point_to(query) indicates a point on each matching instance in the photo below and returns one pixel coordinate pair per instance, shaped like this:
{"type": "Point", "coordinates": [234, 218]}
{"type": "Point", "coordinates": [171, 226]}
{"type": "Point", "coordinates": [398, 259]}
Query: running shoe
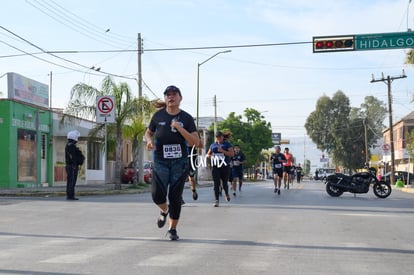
{"type": "Point", "coordinates": [216, 203]}
{"type": "Point", "coordinates": [275, 190]}
{"type": "Point", "coordinates": [195, 195]}
{"type": "Point", "coordinates": [234, 193]}
{"type": "Point", "coordinates": [172, 234]}
{"type": "Point", "coordinates": [182, 201]}
{"type": "Point", "coordinates": [227, 197]}
{"type": "Point", "coordinates": [278, 191]}
{"type": "Point", "coordinates": [162, 219]}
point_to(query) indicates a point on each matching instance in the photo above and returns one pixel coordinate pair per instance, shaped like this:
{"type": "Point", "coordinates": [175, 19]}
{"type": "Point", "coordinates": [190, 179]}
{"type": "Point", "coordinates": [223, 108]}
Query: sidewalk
{"type": "Point", "coordinates": [409, 189]}
{"type": "Point", "coordinates": [82, 190]}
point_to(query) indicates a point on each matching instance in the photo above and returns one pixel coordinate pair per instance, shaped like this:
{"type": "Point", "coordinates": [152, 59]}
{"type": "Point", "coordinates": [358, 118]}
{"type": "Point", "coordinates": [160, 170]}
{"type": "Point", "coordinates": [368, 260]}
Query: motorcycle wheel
{"type": "Point", "coordinates": [332, 190]}
{"type": "Point", "coordinates": [382, 189]}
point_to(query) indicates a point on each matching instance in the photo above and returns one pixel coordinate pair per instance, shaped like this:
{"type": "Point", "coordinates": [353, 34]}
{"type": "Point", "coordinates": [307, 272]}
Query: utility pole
{"type": "Point", "coordinates": [215, 115]}
{"type": "Point", "coordinates": [140, 141]}
{"type": "Point", "coordinates": [366, 140]}
{"type": "Point", "coordinates": [388, 80]}
{"type": "Point", "coordinates": [50, 142]}
{"type": "Point", "coordinates": [304, 152]}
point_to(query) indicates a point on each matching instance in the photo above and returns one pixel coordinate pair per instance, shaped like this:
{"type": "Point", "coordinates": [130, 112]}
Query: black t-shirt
{"type": "Point", "coordinates": [276, 160]}
{"type": "Point", "coordinates": [169, 143]}
{"type": "Point", "coordinates": [236, 159]}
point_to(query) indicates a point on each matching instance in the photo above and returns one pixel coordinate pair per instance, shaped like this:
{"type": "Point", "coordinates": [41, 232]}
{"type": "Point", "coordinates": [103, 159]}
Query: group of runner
{"type": "Point", "coordinates": [283, 168]}
{"type": "Point", "coordinates": [170, 133]}
{"type": "Point", "coordinates": [227, 166]}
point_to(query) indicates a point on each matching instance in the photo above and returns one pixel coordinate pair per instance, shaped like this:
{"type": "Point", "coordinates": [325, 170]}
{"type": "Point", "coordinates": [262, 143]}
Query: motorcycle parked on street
{"type": "Point", "coordinates": [358, 183]}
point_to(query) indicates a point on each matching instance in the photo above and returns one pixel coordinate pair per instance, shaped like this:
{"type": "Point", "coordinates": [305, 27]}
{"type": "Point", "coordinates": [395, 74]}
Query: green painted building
{"type": "Point", "coordinates": [33, 138]}
{"type": "Point", "coordinates": [25, 148]}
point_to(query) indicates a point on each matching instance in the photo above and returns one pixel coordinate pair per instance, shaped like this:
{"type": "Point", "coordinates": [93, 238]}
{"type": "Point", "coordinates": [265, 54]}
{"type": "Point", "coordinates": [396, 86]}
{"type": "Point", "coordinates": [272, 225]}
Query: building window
{"type": "Point", "coordinates": [26, 155]}
{"type": "Point", "coordinates": [94, 157]}
{"type": "Point", "coordinates": [43, 149]}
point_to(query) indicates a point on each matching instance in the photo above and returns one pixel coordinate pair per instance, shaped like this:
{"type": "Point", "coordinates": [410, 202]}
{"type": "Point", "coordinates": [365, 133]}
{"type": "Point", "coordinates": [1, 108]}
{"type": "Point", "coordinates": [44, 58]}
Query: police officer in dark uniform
{"type": "Point", "coordinates": [74, 159]}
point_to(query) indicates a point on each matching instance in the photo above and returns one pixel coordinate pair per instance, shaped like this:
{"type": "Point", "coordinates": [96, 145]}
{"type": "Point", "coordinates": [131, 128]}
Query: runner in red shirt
{"type": "Point", "coordinates": [287, 166]}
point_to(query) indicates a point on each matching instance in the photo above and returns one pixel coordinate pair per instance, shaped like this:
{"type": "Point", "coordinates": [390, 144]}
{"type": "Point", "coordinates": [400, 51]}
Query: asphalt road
{"type": "Point", "coordinates": [302, 231]}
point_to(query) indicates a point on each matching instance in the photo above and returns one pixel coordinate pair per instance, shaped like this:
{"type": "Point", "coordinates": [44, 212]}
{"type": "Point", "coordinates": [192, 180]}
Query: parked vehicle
{"type": "Point", "coordinates": [270, 175]}
{"type": "Point", "coordinates": [358, 183]}
{"type": "Point", "coordinates": [324, 173]}
{"type": "Point", "coordinates": [128, 174]}
{"type": "Point", "coordinates": [408, 178]}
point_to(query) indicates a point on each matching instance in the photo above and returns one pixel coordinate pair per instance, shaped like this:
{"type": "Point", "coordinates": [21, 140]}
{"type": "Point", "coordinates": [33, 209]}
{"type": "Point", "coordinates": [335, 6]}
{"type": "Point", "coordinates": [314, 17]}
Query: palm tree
{"type": "Point", "coordinates": [409, 59]}
{"type": "Point", "coordinates": [135, 129]}
{"type": "Point", "coordinates": [83, 104]}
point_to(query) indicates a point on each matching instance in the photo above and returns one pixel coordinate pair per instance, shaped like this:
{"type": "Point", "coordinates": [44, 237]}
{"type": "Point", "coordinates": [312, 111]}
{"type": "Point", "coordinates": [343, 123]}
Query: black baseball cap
{"type": "Point", "coordinates": [172, 88]}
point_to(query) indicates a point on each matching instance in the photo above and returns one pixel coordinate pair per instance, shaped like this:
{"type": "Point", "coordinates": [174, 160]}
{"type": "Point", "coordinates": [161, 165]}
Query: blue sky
{"type": "Point", "coordinates": [284, 82]}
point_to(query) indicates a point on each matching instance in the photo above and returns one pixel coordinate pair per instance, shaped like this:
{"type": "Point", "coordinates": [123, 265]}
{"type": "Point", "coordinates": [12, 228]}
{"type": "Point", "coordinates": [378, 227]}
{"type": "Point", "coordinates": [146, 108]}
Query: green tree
{"type": "Point", "coordinates": [83, 104]}
{"type": "Point", "coordinates": [135, 128]}
{"type": "Point", "coordinates": [253, 134]}
{"type": "Point", "coordinates": [338, 128]}
{"type": "Point", "coordinates": [306, 167]}
{"type": "Point", "coordinates": [410, 144]}
{"type": "Point", "coordinates": [374, 112]}
{"type": "Point", "coordinates": [329, 120]}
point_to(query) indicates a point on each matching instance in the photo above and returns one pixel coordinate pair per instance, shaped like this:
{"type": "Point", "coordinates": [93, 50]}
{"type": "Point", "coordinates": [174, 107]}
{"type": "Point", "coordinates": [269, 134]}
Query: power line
{"type": "Point", "coordinates": [61, 58]}
{"type": "Point", "coordinates": [88, 29]}
{"type": "Point", "coordinates": [229, 46]}
{"type": "Point", "coordinates": [42, 59]}
{"type": "Point", "coordinates": [149, 89]}
{"type": "Point", "coordinates": [71, 22]}
{"type": "Point", "coordinates": [202, 48]}
{"type": "Point", "coordinates": [182, 48]}
{"type": "Point", "coordinates": [98, 29]}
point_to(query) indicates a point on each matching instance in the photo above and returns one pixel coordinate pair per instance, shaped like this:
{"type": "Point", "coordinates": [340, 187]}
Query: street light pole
{"type": "Point", "coordinates": [198, 82]}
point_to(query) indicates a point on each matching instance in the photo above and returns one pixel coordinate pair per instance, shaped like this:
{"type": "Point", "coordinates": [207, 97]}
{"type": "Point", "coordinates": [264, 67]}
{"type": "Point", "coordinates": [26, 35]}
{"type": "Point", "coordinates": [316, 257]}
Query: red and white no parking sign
{"type": "Point", "coordinates": [105, 109]}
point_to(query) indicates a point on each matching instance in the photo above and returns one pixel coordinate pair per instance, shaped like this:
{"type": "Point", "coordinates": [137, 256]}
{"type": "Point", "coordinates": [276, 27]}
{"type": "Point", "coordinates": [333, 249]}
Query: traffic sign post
{"type": "Point", "coordinates": [363, 42]}
{"type": "Point", "coordinates": [385, 147]}
{"type": "Point", "coordinates": [105, 113]}
{"type": "Point", "coordinates": [105, 109]}
{"type": "Point", "coordinates": [276, 138]}
{"type": "Point", "coordinates": [384, 41]}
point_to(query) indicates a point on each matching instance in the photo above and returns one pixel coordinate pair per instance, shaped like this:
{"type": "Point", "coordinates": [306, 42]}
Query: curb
{"type": "Point", "coordinates": [82, 191]}
{"type": "Point", "coordinates": [408, 190]}
{"type": "Point", "coordinates": [60, 193]}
